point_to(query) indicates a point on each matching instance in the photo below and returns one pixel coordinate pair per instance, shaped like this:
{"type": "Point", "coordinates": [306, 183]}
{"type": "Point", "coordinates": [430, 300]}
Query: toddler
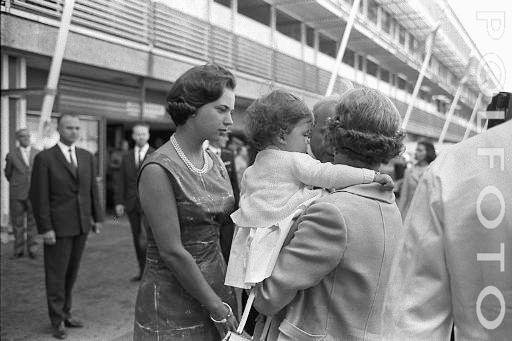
{"type": "Point", "coordinates": [280, 184]}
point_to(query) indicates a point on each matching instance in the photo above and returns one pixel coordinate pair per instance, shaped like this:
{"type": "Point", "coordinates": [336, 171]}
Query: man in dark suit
{"type": "Point", "coordinates": [218, 147]}
{"type": "Point", "coordinates": [125, 191]}
{"type": "Point", "coordinates": [18, 166]}
{"type": "Point", "coordinates": [64, 198]}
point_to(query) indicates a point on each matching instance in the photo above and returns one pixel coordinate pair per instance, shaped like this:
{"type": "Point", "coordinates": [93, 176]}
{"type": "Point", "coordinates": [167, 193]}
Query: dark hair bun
{"type": "Point", "coordinates": [180, 109]}
{"type": "Point", "coordinates": [198, 86]}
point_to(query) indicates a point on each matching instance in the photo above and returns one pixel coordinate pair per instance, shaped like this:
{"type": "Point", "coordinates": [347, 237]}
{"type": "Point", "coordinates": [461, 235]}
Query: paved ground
{"type": "Point", "coordinates": [103, 295]}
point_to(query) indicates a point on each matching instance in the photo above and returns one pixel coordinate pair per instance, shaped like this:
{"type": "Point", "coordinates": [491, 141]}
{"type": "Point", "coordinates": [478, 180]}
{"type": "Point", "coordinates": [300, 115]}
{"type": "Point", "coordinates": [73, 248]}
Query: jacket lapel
{"type": "Point", "coordinates": [33, 154]}
{"type": "Point", "coordinates": [62, 158]}
{"type": "Point", "coordinates": [20, 157]}
{"type": "Point", "coordinates": [82, 162]}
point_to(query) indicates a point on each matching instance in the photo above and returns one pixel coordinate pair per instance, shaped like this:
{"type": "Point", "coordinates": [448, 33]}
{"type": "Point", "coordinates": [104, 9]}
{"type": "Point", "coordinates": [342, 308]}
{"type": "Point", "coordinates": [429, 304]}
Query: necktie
{"type": "Point", "coordinates": [72, 161]}
{"type": "Point", "coordinates": [139, 157]}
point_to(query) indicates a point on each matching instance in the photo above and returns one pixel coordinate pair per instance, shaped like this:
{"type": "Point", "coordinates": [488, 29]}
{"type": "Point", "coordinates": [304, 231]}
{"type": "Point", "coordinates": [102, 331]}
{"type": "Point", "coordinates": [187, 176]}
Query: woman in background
{"type": "Point", "coordinates": [424, 155]}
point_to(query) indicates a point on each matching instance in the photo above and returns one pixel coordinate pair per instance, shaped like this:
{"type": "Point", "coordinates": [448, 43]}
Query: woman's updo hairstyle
{"type": "Point", "coordinates": [198, 86]}
{"type": "Point", "coordinates": [366, 127]}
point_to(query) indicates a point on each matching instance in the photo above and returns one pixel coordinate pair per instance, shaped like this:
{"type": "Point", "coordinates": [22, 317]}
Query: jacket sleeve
{"type": "Point", "coordinates": [119, 182]}
{"type": "Point", "coordinates": [8, 166]}
{"type": "Point", "coordinates": [97, 212]}
{"type": "Point", "coordinates": [40, 194]}
{"type": "Point", "coordinates": [312, 172]}
{"type": "Point", "coordinates": [418, 302]}
{"type": "Point", "coordinates": [313, 252]}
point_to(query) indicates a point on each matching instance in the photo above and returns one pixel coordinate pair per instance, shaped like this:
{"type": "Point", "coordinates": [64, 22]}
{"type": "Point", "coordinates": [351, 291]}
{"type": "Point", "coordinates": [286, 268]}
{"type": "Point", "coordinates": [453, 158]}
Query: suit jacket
{"type": "Point", "coordinates": [458, 235]}
{"type": "Point", "coordinates": [62, 200]}
{"type": "Point", "coordinates": [228, 158]}
{"type": "Point", "coordinates": [333, 273]}
{"type": "Point", "coordinates": [18, 172]}
{"type": "Point", "coordinates": [125, 186]}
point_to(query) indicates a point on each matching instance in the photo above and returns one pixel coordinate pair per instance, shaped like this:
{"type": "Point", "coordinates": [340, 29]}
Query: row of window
{"type": "Point", "coordinates": [260, 11]}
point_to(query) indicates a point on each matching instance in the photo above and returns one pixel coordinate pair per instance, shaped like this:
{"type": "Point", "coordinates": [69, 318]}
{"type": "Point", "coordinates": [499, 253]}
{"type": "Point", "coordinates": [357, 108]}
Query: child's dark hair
{"type": "Point", "coordinates": [272, 116]}
{"type": "Point", "coordinates": [198, 86]}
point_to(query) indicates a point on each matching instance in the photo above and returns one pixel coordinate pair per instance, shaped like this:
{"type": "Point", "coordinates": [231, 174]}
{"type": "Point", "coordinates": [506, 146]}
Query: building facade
{"type": "Point", "coordinates": [122, 56]}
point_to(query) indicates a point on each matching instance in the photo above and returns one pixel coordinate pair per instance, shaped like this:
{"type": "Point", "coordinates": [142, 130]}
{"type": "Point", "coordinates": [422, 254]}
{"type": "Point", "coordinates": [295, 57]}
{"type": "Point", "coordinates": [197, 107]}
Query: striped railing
{"type": "Point", "coordinates": [153, 23]}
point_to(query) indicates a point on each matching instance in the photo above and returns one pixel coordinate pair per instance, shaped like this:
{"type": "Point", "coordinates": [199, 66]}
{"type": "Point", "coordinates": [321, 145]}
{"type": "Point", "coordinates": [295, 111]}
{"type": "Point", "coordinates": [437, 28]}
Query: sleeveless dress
{"type": "Point", "coordinates": [164, 310]}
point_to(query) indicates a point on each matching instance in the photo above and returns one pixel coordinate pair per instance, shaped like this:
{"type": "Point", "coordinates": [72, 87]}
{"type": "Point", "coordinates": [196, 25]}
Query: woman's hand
{"type": "Point", "coordinates": [224, 319]}
{"type": "Point", "coordinates": [385, 180]}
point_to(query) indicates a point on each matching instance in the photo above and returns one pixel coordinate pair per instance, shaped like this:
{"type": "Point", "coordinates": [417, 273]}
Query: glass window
{"type": "Point", "coordinates": [224, 2]}
{"type": "Point", "coordinates": [386, 22]}
{"type": "Point", "coordinates": [373, 8]}
{"type": "Point", "coordinates": [371, 68]}
{"type": "Point", "coordinates": [257, 10]}
{"type": "Point", "coordinates": [327, 45]}
{"type": "Point", "coordinates": [349, 57]}
{"type": "Point", "coordinates": [310, 36]}
{"type": "Point", "coordinates": [288, 25]}
{"type": "Point", "coordinates": [360, 62]}
{"type": "Point", "coordinates": [412, 43]}
{"type": "Point", "coordinates": [401, 35]}
{"type": "Point", "coordinates": [384, 75]}
{"type": "Point", "coordinates": [401, 83]}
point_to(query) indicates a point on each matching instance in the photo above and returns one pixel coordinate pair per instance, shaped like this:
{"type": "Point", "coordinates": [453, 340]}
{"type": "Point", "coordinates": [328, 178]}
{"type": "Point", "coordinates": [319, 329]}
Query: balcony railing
{"type": "Point", "coordinates": [155, 24]}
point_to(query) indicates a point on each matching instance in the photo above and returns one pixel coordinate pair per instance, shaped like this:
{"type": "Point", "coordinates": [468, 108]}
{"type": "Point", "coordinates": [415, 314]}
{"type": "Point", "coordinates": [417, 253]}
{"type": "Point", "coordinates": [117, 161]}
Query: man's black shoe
{"type": "Point", "coordinates": [72, 323]}
{"type": "Point", "coordinates": [59, 332]}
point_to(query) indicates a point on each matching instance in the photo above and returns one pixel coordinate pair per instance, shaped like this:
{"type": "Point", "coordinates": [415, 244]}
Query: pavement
{"type": "Point", "coordinates": [103, 296]}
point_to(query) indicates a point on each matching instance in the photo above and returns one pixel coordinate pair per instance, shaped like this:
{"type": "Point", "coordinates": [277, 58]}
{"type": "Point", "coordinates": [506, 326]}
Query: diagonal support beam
{"type": "Point", "coordinates": [343, 46]}
{"type": "Point", "coordinates": [473, 114]}
{"type": "Point", "coordinates": [429, 44]}
{"type": "Point", "coordinates": [55, 67]}
{"type": "Point", "coordinates": [449, 116]}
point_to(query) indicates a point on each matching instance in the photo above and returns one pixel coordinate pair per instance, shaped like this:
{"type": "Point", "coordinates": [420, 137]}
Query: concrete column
{"type": "Point", "coordinates": [234, 11]}
{"type": "Point", "coordinates": [4, 143]}
{"type": "Point", "coordinates": [21, 83]}
{"type": "Point", "coordinates": [303, 43]}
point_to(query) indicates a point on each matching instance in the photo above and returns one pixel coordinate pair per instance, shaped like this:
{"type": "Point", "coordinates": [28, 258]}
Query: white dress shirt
{"type": "Point", "coordinates": [65, 150]}
{"type": "Point", "coordinates": [140, 157]}
{"type": "Point", "coordinates": [25, 154]}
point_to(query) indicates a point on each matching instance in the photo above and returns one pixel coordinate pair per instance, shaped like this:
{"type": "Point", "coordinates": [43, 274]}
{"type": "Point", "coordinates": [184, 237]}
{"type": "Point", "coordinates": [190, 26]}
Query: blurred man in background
{"type": "Point", "coordinates": [18, 168]}
{"type": "Point", "coordinates": [218, 147]}
{"type": "Point", "coordinates": [125, 191]}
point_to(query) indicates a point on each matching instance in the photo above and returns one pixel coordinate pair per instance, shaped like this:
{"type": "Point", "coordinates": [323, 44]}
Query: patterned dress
{"type": "Point", "coordinates": [164, 310]}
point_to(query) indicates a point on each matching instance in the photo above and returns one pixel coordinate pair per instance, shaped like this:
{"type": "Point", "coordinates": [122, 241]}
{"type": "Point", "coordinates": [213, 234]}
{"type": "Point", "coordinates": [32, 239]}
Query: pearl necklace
{"type": "Point", "coordinates": [186, 161]}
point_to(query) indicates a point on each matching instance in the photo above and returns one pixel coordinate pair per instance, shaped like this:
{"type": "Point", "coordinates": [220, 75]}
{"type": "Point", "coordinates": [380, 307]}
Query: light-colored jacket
{"type": "Point", "coordinates": [455, 262]}
{"type": "Point", "coordinates": [332, 275]}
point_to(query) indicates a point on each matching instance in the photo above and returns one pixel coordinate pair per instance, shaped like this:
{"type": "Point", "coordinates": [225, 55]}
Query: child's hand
{"type": "Point", "coordinates": [385, 180]}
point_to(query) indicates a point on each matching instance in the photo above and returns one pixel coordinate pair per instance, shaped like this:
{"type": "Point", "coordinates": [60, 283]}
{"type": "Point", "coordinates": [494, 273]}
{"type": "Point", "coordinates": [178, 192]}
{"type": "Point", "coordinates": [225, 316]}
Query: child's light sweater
{"type": "Point", "coordinates": [273, 191]}
{"type": "Point", "coordinates": [277, 184]}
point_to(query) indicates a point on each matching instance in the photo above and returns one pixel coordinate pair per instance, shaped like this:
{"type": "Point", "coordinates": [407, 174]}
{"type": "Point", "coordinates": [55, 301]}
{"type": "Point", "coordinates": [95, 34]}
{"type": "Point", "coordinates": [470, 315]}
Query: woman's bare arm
{"type": "Point", "coordinates": [159, 204]}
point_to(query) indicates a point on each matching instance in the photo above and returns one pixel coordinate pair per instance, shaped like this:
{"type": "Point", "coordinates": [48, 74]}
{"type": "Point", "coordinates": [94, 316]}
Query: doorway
{"type": "Point", "coordinates": [119, 141]}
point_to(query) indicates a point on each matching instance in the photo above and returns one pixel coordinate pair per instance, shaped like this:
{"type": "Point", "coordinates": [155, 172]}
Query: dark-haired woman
{"type": "Point", "coordinates": [424, 155]}
{"type": "Point", "coordinates": [332, 275]}
{"type": "Point", "coordinates": [186, 196]}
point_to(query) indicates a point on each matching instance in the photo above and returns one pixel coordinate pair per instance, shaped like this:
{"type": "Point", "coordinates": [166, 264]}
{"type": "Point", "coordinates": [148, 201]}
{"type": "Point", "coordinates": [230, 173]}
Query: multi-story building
{"type": "Point", "coordinates": [122, 56]}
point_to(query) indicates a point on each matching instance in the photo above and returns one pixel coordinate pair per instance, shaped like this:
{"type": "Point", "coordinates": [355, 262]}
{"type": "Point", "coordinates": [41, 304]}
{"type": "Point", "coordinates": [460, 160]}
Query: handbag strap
{"type": "Point", "coordinates": [247, 309]}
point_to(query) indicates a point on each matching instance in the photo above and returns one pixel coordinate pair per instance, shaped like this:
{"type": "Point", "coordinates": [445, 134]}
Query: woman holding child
{"type": "Point", "coordinates": [332, 273]}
